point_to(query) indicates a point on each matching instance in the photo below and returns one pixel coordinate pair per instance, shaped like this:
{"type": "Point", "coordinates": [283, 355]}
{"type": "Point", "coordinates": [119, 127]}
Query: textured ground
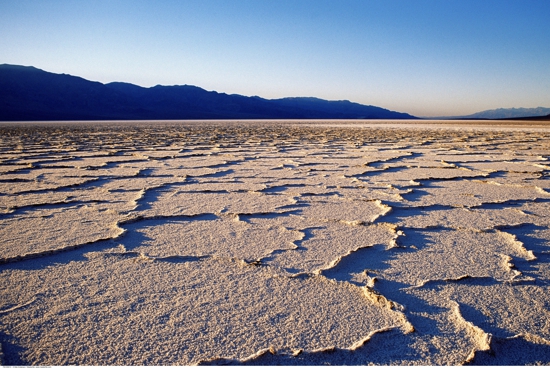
{"type": "Point", "coordinates": [274, 243]}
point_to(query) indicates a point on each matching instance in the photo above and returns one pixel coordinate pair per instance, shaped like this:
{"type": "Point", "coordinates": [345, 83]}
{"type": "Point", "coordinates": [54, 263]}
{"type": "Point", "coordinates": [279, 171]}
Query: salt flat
{"type": "Point", "coordinates": [272, 242]}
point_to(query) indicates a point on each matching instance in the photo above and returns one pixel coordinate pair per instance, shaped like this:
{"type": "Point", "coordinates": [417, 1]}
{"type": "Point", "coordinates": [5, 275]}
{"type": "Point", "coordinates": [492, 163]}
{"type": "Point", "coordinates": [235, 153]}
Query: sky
{"type": "Point", "coordinates": [423, 57]}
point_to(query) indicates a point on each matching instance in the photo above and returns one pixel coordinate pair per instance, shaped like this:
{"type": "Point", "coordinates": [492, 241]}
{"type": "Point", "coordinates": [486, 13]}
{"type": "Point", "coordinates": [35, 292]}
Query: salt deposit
{"type": "Point", "coordinates": [183, 243]}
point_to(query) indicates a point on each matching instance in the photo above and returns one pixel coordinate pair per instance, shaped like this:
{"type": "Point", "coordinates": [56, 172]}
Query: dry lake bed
{"type": "Point", "coordinates": [338, 243]}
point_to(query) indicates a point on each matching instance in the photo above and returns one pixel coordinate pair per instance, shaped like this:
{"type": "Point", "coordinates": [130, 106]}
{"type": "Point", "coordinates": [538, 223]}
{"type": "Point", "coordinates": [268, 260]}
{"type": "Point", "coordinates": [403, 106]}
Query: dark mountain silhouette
{"type": "Point", "coordinates": [533, 118]}
{"type": "Point", "coordinates": [28, 93]}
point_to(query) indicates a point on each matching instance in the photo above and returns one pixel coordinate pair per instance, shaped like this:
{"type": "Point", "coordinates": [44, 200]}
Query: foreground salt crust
{"type": "Point", "coordinates": [273, 243]}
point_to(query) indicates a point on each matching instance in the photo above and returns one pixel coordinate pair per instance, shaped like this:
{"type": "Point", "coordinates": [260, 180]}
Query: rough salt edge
{"type": "Point", "coordinates": [49, 252]}
{"type": "Point", "coordinates": [528, 255]}
{"type": "Point", "coordinates": [482, 339]}
{"type": "Point", "coordinates": [525, 336]}
{"type": "Point", "coordinates": [382, 206]}
{"type": "Point", "coordinates": [507, 260]}
{"type": "Point", "coordinates": [379, 299]}
{"type": "Point", "coordinates": [520, 246]}
{"type": "Point", "coordinates": [62, 186]}
{"type": "Point", "coordinates": [135, 201]}
{"type": "Point", "coordinates": [295, 352]}
{"type": "Point", "coordinates": [142, 257]}
{"type": "Point", "coordinates": [230, 216]}
{"type": "Point", "coordinates": [392, 244]}
{"type": "Point", "coordinates": [328, 266]}
{"type": "Point", "coordinates": [535, 187]}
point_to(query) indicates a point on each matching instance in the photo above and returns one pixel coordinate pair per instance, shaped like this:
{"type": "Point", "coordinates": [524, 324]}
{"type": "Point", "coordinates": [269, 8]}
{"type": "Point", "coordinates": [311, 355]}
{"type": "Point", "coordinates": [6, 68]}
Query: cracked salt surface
{"type": "Point", "coordinates": [273, 243]}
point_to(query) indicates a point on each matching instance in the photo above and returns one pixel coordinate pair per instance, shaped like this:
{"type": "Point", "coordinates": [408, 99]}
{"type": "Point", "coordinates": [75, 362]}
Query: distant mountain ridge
{"type": "Point", "coordinates": [503, 113]}
{"type": "Point", "coordinates": [28, 93]}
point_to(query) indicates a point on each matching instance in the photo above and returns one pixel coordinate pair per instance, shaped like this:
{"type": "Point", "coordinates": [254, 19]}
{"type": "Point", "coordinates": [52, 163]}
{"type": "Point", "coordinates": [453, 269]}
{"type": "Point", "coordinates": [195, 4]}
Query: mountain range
{"type": "Point", "coordinates": [31, 94]}
{"type": "Point", "coordinates": [511, 113]}
{"type": "Point", "coordinates": [521, 113]}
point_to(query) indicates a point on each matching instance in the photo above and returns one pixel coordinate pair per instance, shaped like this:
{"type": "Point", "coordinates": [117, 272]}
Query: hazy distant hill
{"type": "Point", "coordinates": [28, 93]}
{"type": "Point", "coordinates": [509, 113]}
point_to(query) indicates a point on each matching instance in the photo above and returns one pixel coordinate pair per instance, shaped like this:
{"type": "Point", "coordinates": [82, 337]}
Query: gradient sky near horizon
{"type": "Point", "coordinates": [424, 57]}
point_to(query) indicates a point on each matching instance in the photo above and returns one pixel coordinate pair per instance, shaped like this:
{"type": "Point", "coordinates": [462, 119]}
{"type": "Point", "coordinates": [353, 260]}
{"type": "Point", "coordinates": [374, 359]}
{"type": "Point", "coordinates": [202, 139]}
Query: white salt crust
{"type": "Point", "coordinates": [183, 243]}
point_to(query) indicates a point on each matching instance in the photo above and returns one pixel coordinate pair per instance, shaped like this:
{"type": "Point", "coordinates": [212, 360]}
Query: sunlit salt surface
{"type": "Point", "coordinates": [274, 242]}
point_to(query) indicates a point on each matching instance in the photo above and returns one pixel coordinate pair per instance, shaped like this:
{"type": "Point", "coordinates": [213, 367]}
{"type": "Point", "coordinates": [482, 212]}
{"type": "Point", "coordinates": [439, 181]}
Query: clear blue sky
{"type": "Point", "coordinates": [424, 57]}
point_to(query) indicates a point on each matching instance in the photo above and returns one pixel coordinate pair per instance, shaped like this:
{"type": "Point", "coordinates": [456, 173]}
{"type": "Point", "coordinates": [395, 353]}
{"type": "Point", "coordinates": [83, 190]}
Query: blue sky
{"type": "Point", "coordinates": [424, 57]}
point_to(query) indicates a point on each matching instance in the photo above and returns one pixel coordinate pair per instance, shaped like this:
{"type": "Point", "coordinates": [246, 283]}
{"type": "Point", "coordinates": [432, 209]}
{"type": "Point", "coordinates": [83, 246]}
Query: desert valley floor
{"type": "Point", "coordinates": [274, 243]}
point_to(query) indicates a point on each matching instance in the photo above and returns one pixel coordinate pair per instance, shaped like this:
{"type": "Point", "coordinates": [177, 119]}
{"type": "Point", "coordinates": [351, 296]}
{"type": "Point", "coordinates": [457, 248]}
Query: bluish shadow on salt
{"type": "Point", "coordinates": [11, 351]}
{"type": "Point", "coordinates": [514, 351]}
{"type": "Point", "coordinates": [540, 247]}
